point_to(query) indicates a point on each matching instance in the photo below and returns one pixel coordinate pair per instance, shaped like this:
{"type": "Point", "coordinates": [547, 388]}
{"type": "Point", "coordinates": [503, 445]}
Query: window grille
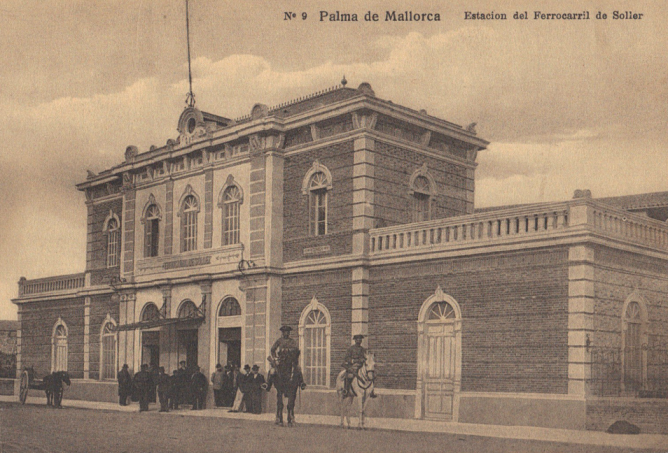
{"type": "Point", "coordinates": [315, 349]}
{"type": "Point", "coordinates": [230, 307]}
{"type": "Point", "coordinates": [189, 224]}
{"type": "Point", "coordinates": [60, 349]}
{"type": "Point", "coordinates": [318, 204]}
{"type": "Point", "coordinates": [231, 215]}
{"type": "Point", "coordinates": [152, 231]}
{"type": "Point", "coordinates": [108, 345]}
{"type": "Point", "coordinates": [113, 242]}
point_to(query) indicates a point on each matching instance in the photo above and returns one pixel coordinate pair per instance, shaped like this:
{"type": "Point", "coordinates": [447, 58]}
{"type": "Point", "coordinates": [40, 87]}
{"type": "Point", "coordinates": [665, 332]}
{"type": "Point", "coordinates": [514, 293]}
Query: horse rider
{"type": "Point", "coordinates": [352, 362]}
{"type": "Point", "coordinates": [282, 346]}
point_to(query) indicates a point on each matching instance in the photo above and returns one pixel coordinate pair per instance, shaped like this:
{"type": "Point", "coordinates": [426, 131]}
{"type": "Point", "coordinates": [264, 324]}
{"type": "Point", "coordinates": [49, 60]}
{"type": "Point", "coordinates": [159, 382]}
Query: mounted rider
{"type": "Point", "coordinates": [283, 348]}
{"type": "Point", "coordinates": [352, 362]}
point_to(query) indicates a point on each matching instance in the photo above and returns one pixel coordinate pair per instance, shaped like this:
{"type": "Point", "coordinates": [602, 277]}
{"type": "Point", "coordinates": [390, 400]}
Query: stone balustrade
{"type": "Point", "coordinates": [51, 284]}
{"type": "Point", "coordinates": [522, 221]}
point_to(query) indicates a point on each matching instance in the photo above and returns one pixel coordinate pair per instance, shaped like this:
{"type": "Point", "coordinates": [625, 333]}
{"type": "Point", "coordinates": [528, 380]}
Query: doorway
{"type": "Point", "coordinates": [188, 345]}
{"type": "Point", "coordinates": [229, 346]}
{"type": "Point", "coordinates": [439, 358]}
{"type": "Point", "coordinates": [150, 348]}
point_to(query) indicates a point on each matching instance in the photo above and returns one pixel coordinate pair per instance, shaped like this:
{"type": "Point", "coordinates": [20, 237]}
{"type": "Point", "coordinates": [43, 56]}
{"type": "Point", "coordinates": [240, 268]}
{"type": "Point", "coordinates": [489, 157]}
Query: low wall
{"type": "Point", "coordinates": [651, 415]}
{"type": "Point", "coordinates": [7, 386]}
{"type": "Point", "coordinates": [546, 411]}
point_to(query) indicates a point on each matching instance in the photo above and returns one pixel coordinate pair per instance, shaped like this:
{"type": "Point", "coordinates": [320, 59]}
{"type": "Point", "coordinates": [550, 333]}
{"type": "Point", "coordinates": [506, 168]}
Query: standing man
{"type": "Point", "coordinates": [163, 383]}
{"type": "Point", "coordinates": [199, 386]}
{"type": "Point", "coordinates": [255, 381]}
{"type": "Point", "coordinates": [241, 399]}
{"type": "Point", "coordinates": [353, 361]}
{"type": "Point", "coordinates": [143, 383]}
{"type": "Point", "coordinates": [218, 381]}
{"type": "Point", "coordinates": [182, 384]}
{"type": "Point", "coordinates": [228, 387]}
{"type": "Point", "coordinates": [124, 385]}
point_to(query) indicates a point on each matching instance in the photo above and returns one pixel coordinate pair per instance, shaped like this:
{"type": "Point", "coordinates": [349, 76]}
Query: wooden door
{"type": "Point", "coordinates": [439, 373]}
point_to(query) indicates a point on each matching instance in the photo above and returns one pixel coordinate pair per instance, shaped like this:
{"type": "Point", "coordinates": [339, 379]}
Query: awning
{"type": "Point", "coordinates": [141, 325]}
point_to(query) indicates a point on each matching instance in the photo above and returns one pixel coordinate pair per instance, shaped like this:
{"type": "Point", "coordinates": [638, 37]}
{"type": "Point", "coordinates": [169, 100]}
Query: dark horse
{"type": "Point", "coordinates": [53, 386]}
{"type": "Point", "coordinates": [287, 380]}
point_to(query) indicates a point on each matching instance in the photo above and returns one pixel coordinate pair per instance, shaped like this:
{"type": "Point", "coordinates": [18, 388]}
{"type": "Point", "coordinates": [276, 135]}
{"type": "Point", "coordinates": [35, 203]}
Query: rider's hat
{"type": "Point", "coordinates": [359, 335]}
{"type": "Point", "coordinates": [285, 329]}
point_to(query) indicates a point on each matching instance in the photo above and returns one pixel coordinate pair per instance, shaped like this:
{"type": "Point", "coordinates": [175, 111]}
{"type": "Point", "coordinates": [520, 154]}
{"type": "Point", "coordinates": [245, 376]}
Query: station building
{"type": "Point", "coordinates": [339, 214]}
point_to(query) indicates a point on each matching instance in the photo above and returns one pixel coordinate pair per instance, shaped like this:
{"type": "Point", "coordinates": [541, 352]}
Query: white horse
{"type": "Point", "coordinates": [362, 386]}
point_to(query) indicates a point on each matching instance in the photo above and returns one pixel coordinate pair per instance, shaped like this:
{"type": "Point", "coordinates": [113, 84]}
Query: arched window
{"type": "Point", "coordinates": [422, 189]}
{"type": "Point", "coordinates": [421, 200]}
{"type": "Point", "coordinates": [150, 312]}
{"type": "Point", "coordinates": [231, 204]}
{"type": "Point", "coordinates": [59, 347]}
{"type": "Point", "coordinates": [113, 231]}
{"type": "Point", "coordinates": [229, 307]}
{"type": "Point", "coordinates": [188, 309]}
{"type": "Point", "coordinates": [634, 336]}
{"type": "Point", "coordinates": [189, 211]}
{"type": "Point", "coordinates": [151, 231]}
{"type": "Point", "coordinates": [318, 204]}
{"type": "Point", "coordinates": [315, 343]}
{"type": "Point", "coordinates": [108, 350]}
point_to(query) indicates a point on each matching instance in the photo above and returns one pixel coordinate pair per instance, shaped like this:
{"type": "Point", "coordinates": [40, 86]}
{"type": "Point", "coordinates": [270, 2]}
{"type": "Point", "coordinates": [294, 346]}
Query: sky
{"type": "Point", "coordinates": [565, 104]}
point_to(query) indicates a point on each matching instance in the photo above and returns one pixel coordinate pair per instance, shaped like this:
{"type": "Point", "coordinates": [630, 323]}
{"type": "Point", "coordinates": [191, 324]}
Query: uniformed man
{"type": "Point", "coordinates": [353, 361]}
{"type": "Point", "coordinates": [284, 345]}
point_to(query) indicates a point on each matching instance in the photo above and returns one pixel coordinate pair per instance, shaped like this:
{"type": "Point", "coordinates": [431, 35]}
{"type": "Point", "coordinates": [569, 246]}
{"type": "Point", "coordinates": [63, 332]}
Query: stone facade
{"type": "Point", "coordinates": [342, 214]}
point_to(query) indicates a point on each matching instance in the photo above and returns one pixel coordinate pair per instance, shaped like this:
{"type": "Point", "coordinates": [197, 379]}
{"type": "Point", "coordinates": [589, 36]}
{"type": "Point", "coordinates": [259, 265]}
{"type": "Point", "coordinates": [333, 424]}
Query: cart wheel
{"type": "Point", "coordinates": [23, 390]}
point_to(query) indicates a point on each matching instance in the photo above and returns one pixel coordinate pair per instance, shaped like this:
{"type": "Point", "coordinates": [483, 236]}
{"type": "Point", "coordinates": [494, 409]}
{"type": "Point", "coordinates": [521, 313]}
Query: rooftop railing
{"type": "Point", "coordinates": [521, 222]}
{"type": "Point", "coordinates": [51, 284]}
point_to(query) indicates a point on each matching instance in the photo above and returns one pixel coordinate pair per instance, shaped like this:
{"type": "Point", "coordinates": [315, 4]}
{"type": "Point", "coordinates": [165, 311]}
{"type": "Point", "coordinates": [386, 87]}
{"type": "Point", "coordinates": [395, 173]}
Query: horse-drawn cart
{"type": "Point", "coordinates": [52, 384]}
{"type": "Point", "coordinates": [28, 381]}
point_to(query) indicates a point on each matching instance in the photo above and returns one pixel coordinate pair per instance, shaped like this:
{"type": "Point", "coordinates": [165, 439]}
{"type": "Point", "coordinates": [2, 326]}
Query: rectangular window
{"type": "Point", "coordinates": [421, 210]}
{"type": "Point", "coordinates": [152, 237]}
{"type": "Point", "coordinates": [108, 357]}
{"type": "Point", "coordinates": [113, 246]}
{"type": "Point", "coordinates": [231, 224]}
{"type": "Point", "coordinates": [318, 212]}
{"type": "Point", "coordinates": [315, 356]}
{"type": "Point", "coordinates": [61, 355]}
{"type": "Point", "coordinates": [189, 233]}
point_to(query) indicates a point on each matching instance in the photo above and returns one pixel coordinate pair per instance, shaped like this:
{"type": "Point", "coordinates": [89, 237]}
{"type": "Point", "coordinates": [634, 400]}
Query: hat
{"type": "Point", "coordinates": [125, 365]}
{"type": "Point", "coordinates": [228, 367]}
{"type": "Point", "coordinates": [247, 367]}
{"type": "Point", "coordinates": [359, 335]}
{"type": "Point", "coordinates": [255, 367]}
{"type": "Point", "coordinates": [285, 329]}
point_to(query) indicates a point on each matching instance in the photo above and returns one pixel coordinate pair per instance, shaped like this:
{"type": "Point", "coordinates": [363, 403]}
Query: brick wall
{"type": "Point", "coordinates": [394, 167]}
{"type": "Point", "coordinates": [334, 290]}
{"type": "Point", "coordinates": [37, 322]}
{"type": "Point", "coordinates": [338, 159]}
{"type": "Point", "coordinates": [515, 319]}
{"type": "Point", "coordinates": [617, 274]}
{"type": "Point", "coordinates": [96, 260]}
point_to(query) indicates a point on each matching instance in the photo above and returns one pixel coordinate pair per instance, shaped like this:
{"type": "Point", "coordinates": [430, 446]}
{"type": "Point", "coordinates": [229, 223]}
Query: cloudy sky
{"type": "Point", "coordinates": [566, 105]}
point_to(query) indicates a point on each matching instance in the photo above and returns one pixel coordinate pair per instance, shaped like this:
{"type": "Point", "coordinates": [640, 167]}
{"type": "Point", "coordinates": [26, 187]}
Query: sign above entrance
{"type": "Point", "coordinates": [226, 257]}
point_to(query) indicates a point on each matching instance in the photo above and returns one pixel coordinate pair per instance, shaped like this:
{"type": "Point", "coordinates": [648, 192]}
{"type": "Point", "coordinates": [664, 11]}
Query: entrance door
{"type": "Point", "coordinates": [440, 370]}
{"type": "Point", "coordinates": [439, 367]}
{"type": "Point", "coordinates": [188, 348]}
{"type": "Point", "coordinates": [229, 348]}
{"type": "Point", "coordinates": [150, 348]}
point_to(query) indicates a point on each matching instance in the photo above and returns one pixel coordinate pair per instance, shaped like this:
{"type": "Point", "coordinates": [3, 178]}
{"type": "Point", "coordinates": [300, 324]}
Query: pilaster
{"type": "Point", "coordinates": [86, 351]}
{"type": "Point", "coordinates": [363, 193]}
{"type": "Point", "coordinates": [257, 205]}
{"type": "Point", "coordinates": [208, 209]}
{"type": "Point", "coordinates": [581, 294]}
{"type": "Point", "coordinates": [169, 216]}
{"type": "Point", "coordinates": [360, 302]}
{"type": "Point", "coordinates": [128, 245]}
{"type": "Point", "coordinates": [256, 322]}
{"type": "Point", "coordinates": [273, 221]}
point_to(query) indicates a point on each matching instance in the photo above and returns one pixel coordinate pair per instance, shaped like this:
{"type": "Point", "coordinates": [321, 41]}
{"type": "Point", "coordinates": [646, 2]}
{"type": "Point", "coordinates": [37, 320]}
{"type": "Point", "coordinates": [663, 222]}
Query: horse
{"type": "Point", "coordinates": [53, 387]}
{"type": "Point", "coordinates": [361, 386]}
{"type": "Point", "coordinates": [287, 380]}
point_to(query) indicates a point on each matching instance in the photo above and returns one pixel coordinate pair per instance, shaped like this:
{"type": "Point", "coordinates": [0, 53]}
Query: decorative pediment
{"type": "Point", "coordinates": [230, 182]}
{"type": "Point", "coordinates": [422, 172]}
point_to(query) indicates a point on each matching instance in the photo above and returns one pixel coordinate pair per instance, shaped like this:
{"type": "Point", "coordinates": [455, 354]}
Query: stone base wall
{"type": "Point", "coordinates": [651, 415]}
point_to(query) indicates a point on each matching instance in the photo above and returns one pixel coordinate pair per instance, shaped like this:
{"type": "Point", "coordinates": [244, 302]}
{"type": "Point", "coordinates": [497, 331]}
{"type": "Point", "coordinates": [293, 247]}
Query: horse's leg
{"type": "Point", "coordinates": [292, 396]}
{"type": "Point", "coordinates": [279, 408]}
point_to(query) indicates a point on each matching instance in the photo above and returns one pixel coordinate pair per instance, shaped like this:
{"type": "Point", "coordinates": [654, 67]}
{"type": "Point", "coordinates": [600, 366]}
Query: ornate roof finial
{"type": "Point", "coordinates": [344, 82]}
{"type": "Point", "coordinates": [190, 97]}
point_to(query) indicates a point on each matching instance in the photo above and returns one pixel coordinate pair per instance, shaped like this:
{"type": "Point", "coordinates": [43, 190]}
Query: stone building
{"type": "Point", "coordinates": [341, 213]}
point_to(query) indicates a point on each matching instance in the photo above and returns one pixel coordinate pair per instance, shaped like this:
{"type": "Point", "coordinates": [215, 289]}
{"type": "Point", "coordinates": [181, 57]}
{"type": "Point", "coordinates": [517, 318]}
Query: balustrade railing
{"type": "Point", "coordinates": [50, 284]}
{"type": "Point", "coordinates": [522, 221]}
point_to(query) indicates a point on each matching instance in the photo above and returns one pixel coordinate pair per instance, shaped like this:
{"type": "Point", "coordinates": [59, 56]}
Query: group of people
{"type": "Point", "coordinates": [242, 391]}
{"type": "Point", "coordinates": [182, 387]}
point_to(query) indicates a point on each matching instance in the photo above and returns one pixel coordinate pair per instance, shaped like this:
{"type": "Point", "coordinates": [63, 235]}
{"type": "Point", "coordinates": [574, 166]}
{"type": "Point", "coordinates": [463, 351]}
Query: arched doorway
{"type": "Point", "coordinates": [229, 332]}
{"type": "Point", "coordinates": [187, 336]}
{"type": "Point", "coordinates": [439, 358]}
{"type": "Point", "coordinates": [150, 338]}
